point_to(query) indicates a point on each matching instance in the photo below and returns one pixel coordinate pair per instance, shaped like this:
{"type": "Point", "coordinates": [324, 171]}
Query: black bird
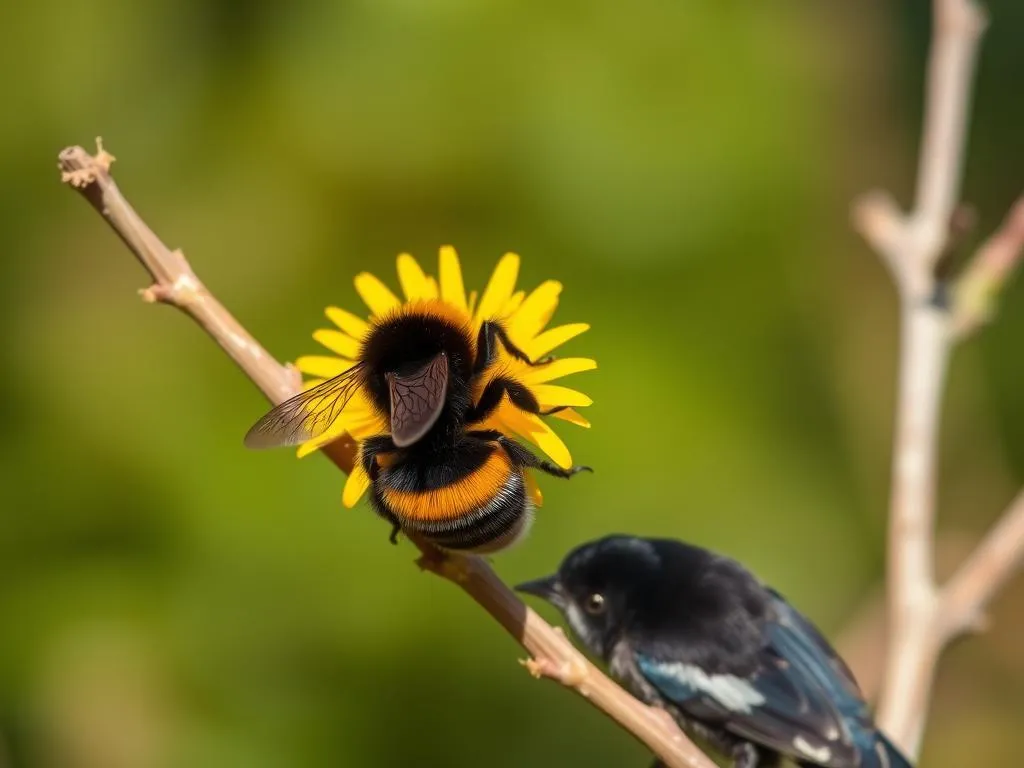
{"type": "Point", "coordinates": [697, 634]}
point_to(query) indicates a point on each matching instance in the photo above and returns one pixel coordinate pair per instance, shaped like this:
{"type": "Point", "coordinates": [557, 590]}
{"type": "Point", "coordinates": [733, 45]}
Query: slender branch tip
{"type": "Point", "coordinates": [976, 291]}
{"type": "Point", "coordinates": [79, 168]}
{"type": "Point", "coordinates": [878, 219]}
{"type": "Point", "coordinates": [875, 213]}
{"type": "Point", "coordinates": [153, 294]}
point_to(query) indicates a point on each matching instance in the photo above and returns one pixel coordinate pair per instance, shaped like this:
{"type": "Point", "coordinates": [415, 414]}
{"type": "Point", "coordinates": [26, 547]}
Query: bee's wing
{"type": "Point", "coordinates": [417, 400]}
{"type": "Point", "coordinates": [307, 415]}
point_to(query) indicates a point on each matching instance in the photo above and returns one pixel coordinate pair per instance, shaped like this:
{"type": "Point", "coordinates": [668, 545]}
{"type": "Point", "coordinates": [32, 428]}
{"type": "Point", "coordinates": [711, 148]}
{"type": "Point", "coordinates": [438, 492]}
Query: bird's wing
{"type": "Point", "coordinates": [846, 687]}
{"type": "Point", "coordinates": [797, 702]}
{"type": "Point", "coordinates": [818, 666]}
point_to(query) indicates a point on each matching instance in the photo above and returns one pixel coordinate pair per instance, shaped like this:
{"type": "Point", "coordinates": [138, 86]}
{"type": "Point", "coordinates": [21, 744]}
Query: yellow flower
{"type": "Point", "coordinates": [524, 317]}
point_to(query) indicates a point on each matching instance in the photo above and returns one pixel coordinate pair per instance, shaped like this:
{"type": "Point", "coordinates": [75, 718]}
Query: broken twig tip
{"type": "Point", "coordinates": [533, 667]}
{"type": "Point", "coordinates": [156, 293]}
{"type": "Point", "coordinates": [80, 169]}
{"type": "Point", "coordinates": [103, 158]}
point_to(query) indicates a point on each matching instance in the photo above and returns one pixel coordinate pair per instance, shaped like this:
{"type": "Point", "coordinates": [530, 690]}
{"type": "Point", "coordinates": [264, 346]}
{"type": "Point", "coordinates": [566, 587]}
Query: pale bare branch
{"type": "Point", "coordinates": [957, 29]}
{"type": "Point", "coordinates": [922, 617]}
{"type": "Point", "coordinates": [174, 282]}
{"type": "Point", "coordinates": [878, 219]}
{"type": "Point", "coordinates": [993, 562]}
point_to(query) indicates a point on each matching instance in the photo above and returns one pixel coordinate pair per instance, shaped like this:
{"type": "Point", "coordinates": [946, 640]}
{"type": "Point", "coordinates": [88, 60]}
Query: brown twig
{"type": "Point", "coordinates": [985, 570]}
{"type": "Point", "coordinates": [554, 656]}
{"type": "Point", "coordinates": [988, 272]}
{"type": "Point", "coordinates": [922, 618]}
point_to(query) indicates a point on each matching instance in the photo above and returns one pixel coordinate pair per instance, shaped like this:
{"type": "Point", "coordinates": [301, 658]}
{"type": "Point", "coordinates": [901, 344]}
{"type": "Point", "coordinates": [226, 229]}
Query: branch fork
{"type": "Point", "coordinates": [923, 617]}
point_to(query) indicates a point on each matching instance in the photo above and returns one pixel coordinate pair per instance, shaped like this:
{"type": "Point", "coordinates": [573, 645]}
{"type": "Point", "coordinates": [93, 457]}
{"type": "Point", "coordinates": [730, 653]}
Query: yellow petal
{"type": "Point", "coordinates": [358, 420]}
{"type": "Point", "coordinates": [322, 367]}
{"type": "Point", "coordinates": [552, 395]}
{"type": "Point", "coordinates": [537, 432]}
{"type": "Point", "coordinates": [312, 446]}
{"type": "Point", "coordinates": [359, 406]}
{"type": "Point", "coordinates": [432, 286]}
{"type": "Point", "coordinates": [336, 432]}
{"type": "Point", "coordinates": [354, 326]}
{"type": "Point", "coordinates": [338, 342]}
{"type": "Point", "coordinates": [552, 338]}
{"type": "Point", "coordinates": [356, 485]}
{"type": "Point", "coordinates": [413, 279]}
{"type": "Point", "coordinates": [536, 310]}
{"type": "Point", "coordinates": [499, 288]}
{"type": "Point", "coordinates": [450, 273]}
{"type": "Point", "coordinates": [572, 417]}
{"type": "Point", "coordinates": [361, 418]}
{"type": "Point", "coordinates": [378, 297]}
{"type": "Point", "coordinates": [370, 426]}
{"type": "Point", "coordinates": [513, 303]}
{"type": "Point", "coordinates": [494, 423]}
{"type": "Point", "coordinates": [472, 301]}
{"type": "Point", "coordinates": [556, 369]}
{"type": "Point", "coordinates": [533, 490]}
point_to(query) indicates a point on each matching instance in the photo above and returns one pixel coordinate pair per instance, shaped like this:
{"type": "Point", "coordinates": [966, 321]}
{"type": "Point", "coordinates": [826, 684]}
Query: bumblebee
{"type": "Point", "coordinates": [438, 475]}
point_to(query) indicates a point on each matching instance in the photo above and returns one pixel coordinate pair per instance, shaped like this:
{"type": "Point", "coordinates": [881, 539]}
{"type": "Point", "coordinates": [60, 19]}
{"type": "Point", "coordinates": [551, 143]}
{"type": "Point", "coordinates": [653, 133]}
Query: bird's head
{"type": "Point", "coordinates": [598, 587]}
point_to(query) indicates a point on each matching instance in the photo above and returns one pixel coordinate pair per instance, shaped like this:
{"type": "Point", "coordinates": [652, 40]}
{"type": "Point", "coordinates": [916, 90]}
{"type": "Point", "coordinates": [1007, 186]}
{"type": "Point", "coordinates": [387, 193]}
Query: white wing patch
{"type": "Point", "coordinates": [581, 626]}
{"type": "Point", "coordinates": [733, 693]}
{"type": "Point", "coordinates": [883, 755]}
{"type": "Point", "coordinates": [817, 754]}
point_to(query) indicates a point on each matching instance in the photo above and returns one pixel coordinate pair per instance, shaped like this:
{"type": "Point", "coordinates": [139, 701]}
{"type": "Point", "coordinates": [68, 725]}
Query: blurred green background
{"type": "Point", "coordinates": [685, 168]}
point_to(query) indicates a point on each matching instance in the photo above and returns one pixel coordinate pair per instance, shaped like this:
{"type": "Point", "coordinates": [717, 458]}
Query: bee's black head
{"type": "Point", "coordinates": [426, 356]}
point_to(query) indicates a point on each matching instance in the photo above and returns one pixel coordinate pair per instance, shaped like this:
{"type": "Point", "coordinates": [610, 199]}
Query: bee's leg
{"type": "Point", "coordinates": [524, 457]}
{"type": "Point", "coordinates": [557, 471]}
{"type": "Point", "coordinates": [550, 411]}
{"type": "Point", "coordinates": [487, 435]}
{"type": "Point", "coordinates": [369, 450]}
{"type": "Point", "coordinates": [491, 333]}
{"type": "Point", "coordinates": [490, 398]}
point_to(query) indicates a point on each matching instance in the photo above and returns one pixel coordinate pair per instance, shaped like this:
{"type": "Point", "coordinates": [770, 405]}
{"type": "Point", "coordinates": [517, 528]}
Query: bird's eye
{"type": "Point", "coordinates": [595, 604]}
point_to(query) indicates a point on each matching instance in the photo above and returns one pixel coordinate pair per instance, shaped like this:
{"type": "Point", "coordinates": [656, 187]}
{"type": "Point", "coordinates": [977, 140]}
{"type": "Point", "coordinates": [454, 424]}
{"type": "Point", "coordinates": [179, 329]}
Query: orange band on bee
{"type": "Point", "coordinates": [470, 493]}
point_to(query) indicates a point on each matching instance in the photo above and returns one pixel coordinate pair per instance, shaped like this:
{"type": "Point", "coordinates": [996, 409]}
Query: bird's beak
{"type": "Point", "coordinates": [549, 588]}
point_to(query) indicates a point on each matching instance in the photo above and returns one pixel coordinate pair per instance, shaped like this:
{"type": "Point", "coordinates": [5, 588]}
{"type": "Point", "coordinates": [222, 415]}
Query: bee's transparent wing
{"type": "Point", "coordinates": [307, 415]}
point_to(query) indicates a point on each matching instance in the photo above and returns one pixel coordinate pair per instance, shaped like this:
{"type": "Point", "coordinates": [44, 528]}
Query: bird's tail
{"type": "Point", "coordinates": [885, 755]}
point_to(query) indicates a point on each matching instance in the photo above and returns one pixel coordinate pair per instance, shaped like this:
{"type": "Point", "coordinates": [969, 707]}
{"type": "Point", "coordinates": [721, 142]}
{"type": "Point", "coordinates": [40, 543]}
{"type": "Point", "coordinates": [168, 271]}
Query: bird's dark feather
{"type": "Point", "coordinates": [801, 695]}
{"type": "Point", "coordinates": [699, 635]}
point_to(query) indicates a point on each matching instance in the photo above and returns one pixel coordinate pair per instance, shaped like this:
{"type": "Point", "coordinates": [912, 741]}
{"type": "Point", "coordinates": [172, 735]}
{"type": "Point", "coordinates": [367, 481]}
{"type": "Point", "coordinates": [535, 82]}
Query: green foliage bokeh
{"type": "Point", "coordinates": [685, 169]}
